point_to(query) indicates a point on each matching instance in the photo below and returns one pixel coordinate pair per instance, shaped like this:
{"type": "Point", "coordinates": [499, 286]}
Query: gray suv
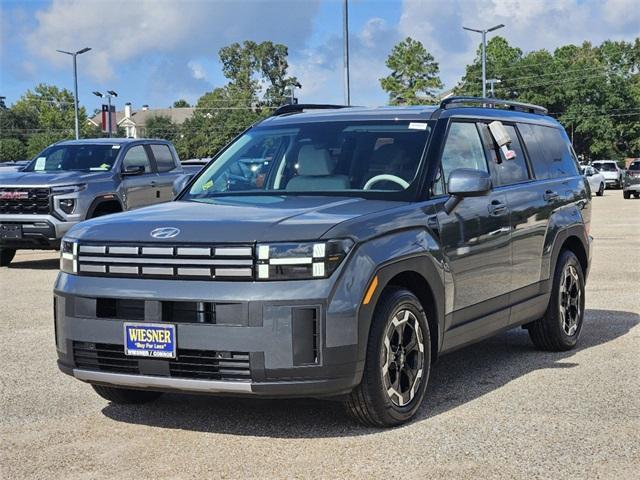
{"type": "Point", "coordinates": [334, 252]}
{"type": "Point", "coordinates": [75, 180]}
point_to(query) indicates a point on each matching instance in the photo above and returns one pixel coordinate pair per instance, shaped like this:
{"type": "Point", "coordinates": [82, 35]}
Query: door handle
{"type": "Point", "coordinates": [550, 195]}
{"type": "Point", "coordinates": [497, 208]}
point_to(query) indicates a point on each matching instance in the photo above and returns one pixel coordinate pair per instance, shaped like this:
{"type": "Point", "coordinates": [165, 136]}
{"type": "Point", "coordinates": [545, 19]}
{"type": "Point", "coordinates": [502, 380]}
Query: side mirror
{"type": "Point", "coordinates": [133, 170]}
{"type": "Point", "coordinates": [466, 182]}
{"type": "Point", "coordinates": [180, 183]}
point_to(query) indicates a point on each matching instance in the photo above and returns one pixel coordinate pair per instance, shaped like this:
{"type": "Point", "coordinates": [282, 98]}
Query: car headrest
{"type": "Point", "coordinates": [314, 161]}
{"type": "Point", "coordinates": [389, 154]}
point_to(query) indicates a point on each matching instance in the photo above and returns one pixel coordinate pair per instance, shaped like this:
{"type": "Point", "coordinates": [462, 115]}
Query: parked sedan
{"type": "Point", "coordinates": [596, 180]}
{"type": "Point", "coordinates": [613, 174]}
{"type": "Point", "coordinates": [632, 181]}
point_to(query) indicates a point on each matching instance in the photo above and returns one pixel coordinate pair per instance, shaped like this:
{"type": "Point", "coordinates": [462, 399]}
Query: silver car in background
{"type": "Point", "coordinates": [613, 174]}
{"type": "Point", "coordinates": [596, 180]}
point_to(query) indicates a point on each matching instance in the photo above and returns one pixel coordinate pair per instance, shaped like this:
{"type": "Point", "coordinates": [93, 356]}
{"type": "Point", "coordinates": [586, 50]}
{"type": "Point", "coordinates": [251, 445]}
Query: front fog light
{"type": "Point", "coordinates": [67, 205]}
{"type": "Point", "coordinates": [299, 261]}
{"type": "Point", "coordinates": [69, 257]}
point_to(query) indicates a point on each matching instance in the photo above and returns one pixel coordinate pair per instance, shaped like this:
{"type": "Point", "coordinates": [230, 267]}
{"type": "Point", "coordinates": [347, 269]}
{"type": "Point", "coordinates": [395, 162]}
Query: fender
{"type": "Point", "coordinates": [348, 320]}
{"type": "Point", "coordinates": [107, 197]}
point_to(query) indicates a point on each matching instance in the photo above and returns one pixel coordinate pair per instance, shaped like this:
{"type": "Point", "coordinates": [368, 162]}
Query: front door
{"type": "Point", "coordinates": [475, 238]}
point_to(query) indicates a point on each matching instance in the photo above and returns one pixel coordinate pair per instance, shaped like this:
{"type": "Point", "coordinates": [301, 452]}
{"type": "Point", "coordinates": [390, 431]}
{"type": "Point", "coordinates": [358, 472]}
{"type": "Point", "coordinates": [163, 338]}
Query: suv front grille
{"type": "Point", "coordinates": [194, 364]}
{"type": "Point", "coordinates": [19, 200]}
{"type": "Point", "coordinates": [160, 261]}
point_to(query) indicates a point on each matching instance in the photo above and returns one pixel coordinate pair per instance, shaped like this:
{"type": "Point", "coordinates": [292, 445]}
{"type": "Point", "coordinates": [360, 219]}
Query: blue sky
{"type": "Point", "coordinates": [156, 51]}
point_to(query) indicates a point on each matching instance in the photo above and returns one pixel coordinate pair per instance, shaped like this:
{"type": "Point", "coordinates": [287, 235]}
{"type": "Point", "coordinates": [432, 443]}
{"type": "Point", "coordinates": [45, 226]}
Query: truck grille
{"type": "Point", "coordinates": [161, 261]}
{"type": "Point", "coordinates": [194, 364]}
{"type": "Point", "coordinates": [19, 200]}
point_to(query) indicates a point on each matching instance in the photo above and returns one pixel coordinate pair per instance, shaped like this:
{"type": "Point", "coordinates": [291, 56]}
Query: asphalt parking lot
{"type": "Point", "coordinates": [499, 409]}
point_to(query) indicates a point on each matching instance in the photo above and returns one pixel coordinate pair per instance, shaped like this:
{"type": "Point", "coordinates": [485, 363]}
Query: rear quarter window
{"type": "Point", "coordinates": [550, 151]}
{"type": "Point", "coordinates": [164, 159]}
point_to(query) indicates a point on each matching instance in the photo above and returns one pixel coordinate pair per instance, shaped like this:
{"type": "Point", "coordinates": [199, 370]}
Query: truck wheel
{"type": "Point", "coordinates": [636, 195]}
{"type": "Point", "coordinates": [626, 195]}
{"type": "Point", "coordinates": [6, 255]}
{"type": "Point", "coordinates": [560, 327]}
{"type": "Point", "coordinates": [124, 396]}
{"type": "Point", "coordinates": [398, 362]}
{"type": "Point", "coordinates": [600, 191]}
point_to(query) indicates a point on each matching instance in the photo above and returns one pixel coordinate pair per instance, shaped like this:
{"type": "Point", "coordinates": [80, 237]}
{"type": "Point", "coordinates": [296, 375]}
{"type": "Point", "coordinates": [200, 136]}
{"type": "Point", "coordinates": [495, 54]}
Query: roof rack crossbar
{"type": "Point", "coordinates": [299, 107]}
{"type": "Point", "coordinates": [519, 106]}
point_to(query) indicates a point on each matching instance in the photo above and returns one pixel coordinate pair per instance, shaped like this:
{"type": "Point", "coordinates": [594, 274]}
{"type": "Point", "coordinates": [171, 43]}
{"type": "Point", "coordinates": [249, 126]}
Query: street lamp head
{"type": "Point", "coordinates": [98, 94]}
{"type": "Point", "coordinates": [495, 27]}
{"type": "Point", "coordinates": [112, 93]}
{"type": "Point", "coordinates": [84, 50]}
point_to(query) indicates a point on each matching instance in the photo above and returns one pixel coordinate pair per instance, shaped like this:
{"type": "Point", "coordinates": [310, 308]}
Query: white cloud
{"type": "Point", "coordinates": [197, 70]}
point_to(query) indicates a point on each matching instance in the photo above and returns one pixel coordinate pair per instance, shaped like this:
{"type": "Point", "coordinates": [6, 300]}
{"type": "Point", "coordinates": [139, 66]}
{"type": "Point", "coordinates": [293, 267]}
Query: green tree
{"type": "Point", "coordinates": [41, 140]}
{"type": "Point", "coordinates": [161, 126]}
{"type": "Point", "coordinates": [12, 149]}
{"type": "Point", "coordinates": [414, 74]}
{"type": "Point", "coordinates": [182, 103]}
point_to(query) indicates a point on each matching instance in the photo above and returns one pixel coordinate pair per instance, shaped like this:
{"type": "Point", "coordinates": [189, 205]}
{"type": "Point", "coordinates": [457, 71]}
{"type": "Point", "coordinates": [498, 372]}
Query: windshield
{"type": "Point", "coordinates": [317, 157]}
{"type": "Point", "coordinates": [607, 167]}
{"type": "Point", "coordinates": [61, 158]}
{"type": "Point", "coordinates": [634, 166]}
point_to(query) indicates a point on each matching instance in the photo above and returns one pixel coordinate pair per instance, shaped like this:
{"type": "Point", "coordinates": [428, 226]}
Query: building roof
{"type": "Point", "coordinates": [140, 117]}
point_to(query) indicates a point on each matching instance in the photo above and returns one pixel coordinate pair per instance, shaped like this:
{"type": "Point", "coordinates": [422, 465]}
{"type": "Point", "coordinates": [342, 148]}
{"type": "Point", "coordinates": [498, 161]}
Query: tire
{"type": "Point", "coordinates": [600, 191]}
{"type": "Point", "coordinates": [626, 195]}
{"type": "Point", "coordinates": [561, 325]}
{"type": "Point", "coordinates": [6, 255]}
{"type": "Point", "coordinates": [636, 195]}
{"type": "Point", "coordinates": [397, 314]}
{"type": "Point", "coordinates": [123, 396]}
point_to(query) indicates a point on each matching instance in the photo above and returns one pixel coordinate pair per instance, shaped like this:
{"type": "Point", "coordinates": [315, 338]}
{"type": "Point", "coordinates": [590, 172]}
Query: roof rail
{"type": "Point", "coordinates": [299, 107]}
{"type": "Point", "coordinates": [510, 104]}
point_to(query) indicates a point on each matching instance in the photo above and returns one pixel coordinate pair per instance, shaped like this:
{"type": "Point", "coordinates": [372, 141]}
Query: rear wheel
{"type": "Point", "coordinates": [125, 396]}
{"type": "Point", "coordinates": [6, 255]}
{"type": "Point", "coordinates": [397, 365]}
{"type": "Point", "coordinates": [626, 195]}
{"type": "Point", "coordinates": [600, 191]}
{"type": "Point", "coordinates": [636, 195]}
{"type": "Point", "coordinates": [560, 327]}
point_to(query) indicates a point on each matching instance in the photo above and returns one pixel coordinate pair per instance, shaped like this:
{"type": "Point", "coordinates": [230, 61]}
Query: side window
{"type": "Point", "coordinates": [537, 154]}
{"type": "Point", "coordinates": [137, 156]}
{"type": "Point", "coordinates": [164, 159]}
{"type": "Point", "coordinates": [463, 149]}
{"type": "Point", "coordinates": [507, 172]}
{"type": "Point", "coordinates": [559, 155]}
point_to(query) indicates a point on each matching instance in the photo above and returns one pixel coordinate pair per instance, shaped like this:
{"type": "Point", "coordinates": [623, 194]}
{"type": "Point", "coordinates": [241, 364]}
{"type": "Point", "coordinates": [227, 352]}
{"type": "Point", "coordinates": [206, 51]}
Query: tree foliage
{"type": "Point", "coordinates": [414, 74]}
{"type": "Point", "coordinates": [161, 126]}
{"type": "Point", "coordinates": [182, 103]}
{"type": "Point", "coordinates": [12, 149]}
{"type": "Point", "coordinates": [594, 91]}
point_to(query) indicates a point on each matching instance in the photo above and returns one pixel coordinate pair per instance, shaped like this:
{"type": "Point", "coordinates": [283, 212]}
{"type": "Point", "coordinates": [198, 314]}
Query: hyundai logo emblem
{"type": "Point", "coordinates": [165, 232]}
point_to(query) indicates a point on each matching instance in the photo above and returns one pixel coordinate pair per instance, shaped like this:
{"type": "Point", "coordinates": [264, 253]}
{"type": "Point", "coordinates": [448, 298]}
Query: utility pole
{"type": "Point", "coordinates": [345, 35]}
{"type": "Point", "coordinates": [75, 83]}
{"type": "Point", "coordinates": [492, 82]}
{"type": "Point", "coordinates": [484, 53]}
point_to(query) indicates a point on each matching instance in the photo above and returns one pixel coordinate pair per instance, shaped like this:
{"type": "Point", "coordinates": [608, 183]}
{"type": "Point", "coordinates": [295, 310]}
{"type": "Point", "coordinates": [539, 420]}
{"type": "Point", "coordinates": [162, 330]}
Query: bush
{"type": "Point", "coordinates": [39, 141]}
{"type": "Point", "coordinates": [12, 149]}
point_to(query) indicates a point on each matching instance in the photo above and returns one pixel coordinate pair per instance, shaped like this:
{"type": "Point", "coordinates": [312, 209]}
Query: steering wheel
{"type": "Point", "coordinates": [385, 177]}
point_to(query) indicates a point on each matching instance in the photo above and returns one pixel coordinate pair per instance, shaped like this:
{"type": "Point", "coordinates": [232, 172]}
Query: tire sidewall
{"type": "Point", "coordinates": [567, 258]}
{"type": "Point", "coordinates": [397, 300]}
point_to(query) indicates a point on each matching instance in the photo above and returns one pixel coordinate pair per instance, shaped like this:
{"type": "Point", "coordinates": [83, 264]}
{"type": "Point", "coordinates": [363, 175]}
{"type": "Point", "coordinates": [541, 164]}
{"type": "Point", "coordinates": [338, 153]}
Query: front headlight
{"type": "Point", "coordinates": [300, 261]}
{"type": "Point", "coordinates": [69, 257]}
{"type": "Point", "coordinates": [65, 189]}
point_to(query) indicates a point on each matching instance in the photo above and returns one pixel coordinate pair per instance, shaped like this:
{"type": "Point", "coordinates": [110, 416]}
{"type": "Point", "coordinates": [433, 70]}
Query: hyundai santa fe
{"type": "Point", "coordinates": [334, 252]}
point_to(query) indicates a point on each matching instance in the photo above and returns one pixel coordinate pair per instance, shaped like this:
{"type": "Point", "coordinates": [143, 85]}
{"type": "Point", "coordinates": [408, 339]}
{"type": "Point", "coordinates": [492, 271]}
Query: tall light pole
{"type": "Point", "coordinates": [75, 83]}
{"type": "Point", "coordinates": [345, 35]}
{"type": "Point", "coordinates": [484, 53]}
{"type": "Point", "coordinates": [109, 94]}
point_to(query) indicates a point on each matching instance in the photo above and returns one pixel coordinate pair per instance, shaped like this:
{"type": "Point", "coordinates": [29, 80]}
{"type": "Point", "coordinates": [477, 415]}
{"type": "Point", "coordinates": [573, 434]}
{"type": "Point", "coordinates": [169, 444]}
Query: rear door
{"type": "Point", "coordinates": [168, 170]}
{"type": "Point", "coordinates": [475, 240]}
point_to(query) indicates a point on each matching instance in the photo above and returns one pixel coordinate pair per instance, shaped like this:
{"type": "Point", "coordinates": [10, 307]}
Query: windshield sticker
{"type": "Point", "coordinates": [417, 126]}
{"type": "Point", "coordinates": [207, 185]}
{"type": "Point", "coordinates": [40, 163]}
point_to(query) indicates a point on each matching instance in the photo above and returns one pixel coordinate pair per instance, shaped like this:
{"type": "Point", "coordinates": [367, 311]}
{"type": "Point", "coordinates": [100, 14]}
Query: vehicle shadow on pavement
{"type": "Point", "coordinates": [456, 379]}
{"type": "Point", "coordinates": [44, 264]}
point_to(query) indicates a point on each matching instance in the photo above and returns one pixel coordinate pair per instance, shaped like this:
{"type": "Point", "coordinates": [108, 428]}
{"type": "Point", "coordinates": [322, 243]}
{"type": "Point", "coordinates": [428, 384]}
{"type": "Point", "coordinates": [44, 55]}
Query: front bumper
{"type": "Point", "coordinates": [38, 231]}
{"type": "Point", "coordinates": [278, 334]}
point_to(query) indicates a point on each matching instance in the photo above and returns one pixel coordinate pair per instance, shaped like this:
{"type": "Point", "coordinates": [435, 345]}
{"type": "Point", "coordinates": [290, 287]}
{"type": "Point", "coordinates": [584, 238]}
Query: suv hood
{"type": "Point", "coordinates": [239, 219]}
{"type": "Point", "coordinates": [35, 179]}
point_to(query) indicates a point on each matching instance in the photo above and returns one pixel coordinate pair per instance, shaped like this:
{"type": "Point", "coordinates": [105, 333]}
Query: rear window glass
{"type": "Point", "coordinates": [634, 166]}
{"type": "Point", "coordinates": [164, 159]}
{"type": "Point", "coordinates": [550, 152]}
{"type": "Point", "coordinates": [605, 166]}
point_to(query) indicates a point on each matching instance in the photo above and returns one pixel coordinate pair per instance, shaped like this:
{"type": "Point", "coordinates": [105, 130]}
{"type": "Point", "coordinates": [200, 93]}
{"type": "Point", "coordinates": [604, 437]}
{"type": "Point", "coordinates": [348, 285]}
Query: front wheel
{"type": "Point", "coordinates": [6, 255]}
{"type": "Point", "coordinates": [600, 191]}
{"type": "Point", "coordinates": [397, 365]}
{"type": "Point", "coordinates": [626, 195]}
{"type": "Point", "coordinates": [560, 327]}
{"type": "Point", "coordinates": [125, 396]}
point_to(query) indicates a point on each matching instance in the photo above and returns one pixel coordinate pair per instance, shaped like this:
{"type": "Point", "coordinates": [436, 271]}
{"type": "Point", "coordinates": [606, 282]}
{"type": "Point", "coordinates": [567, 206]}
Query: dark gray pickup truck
{"type": "Point", "coordinates": [76, 180]}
